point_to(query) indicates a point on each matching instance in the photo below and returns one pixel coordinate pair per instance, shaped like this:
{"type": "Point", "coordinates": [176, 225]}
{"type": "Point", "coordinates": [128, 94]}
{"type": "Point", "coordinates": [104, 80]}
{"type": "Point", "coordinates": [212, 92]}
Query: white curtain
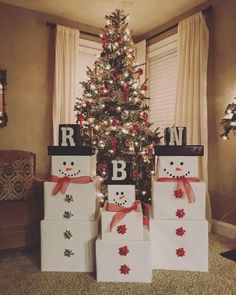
{"type": "Point", "coordinates": [191, 101]}
{"type": "Point", "coordinates": [66, 64]}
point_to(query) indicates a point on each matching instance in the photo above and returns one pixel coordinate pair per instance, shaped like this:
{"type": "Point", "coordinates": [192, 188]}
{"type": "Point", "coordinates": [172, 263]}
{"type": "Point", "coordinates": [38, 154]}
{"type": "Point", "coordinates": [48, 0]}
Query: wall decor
{"type": "Point", "coordinates": [3, 113]}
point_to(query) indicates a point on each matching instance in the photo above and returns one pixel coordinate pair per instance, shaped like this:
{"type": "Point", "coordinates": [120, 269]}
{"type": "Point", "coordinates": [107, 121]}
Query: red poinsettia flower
{"type": "Point", "coordinates": [121, 229]}
{"type": "Point", "coordinates": [114, 122]}
{"type": "Point", "coordinates": [123, 251]}
{"type": "Point", "coordinates": [179, 194]}
{"type": "Point", "coordinates": [144, 116]}
{"type": "Point", "coordinates": [149, 151]}
{"type": "Point", "coordinates": [180, 252]}
{"type": "Point", "coordinates": [180, 231]}
{"type": "Point", "coordinates": [180, 213]}
{"type": "Point", "coordinates": [124, 269]}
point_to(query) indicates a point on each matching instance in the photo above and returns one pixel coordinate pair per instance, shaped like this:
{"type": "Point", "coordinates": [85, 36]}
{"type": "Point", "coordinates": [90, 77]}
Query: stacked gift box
{"type": "Point", "coordinates": [178, 228]}
{"type": "Point", "coordinates": [70, 225]}
{"type": "Point", "coordinates": [123, 250]}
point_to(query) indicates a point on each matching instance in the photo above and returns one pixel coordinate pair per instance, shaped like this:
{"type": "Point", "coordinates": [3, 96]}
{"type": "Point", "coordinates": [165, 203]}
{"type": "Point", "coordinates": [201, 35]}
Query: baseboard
{"type": "Point", "coordinates": [223, 229]}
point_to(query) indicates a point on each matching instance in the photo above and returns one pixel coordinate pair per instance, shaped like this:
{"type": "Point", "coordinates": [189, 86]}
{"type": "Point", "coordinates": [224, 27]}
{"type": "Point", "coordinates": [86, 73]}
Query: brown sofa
{"type": "Point", "coordinates": [21, 200]}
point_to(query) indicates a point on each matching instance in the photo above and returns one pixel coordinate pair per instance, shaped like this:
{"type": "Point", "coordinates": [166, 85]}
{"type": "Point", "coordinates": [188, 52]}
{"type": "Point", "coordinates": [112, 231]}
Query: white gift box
{"type": "Point", "coordinates": [129, 228]}
{"type": "Point", "coordinates": [73, 166]}
{"type": "Point", "coordinates": [124, 261]}
{"type": "Point", "coordinates": [78, 202]}
{"type": "Point", "coordinates": [68, 245]}
{"type": "Point", "coordinates": [178, 245]}
{"type": "Point", "coordinates": [177, 166]}
{"type": "Point", "coordinates": [165, 204]}
{"type": "Point", "coordinates": [121, 194]}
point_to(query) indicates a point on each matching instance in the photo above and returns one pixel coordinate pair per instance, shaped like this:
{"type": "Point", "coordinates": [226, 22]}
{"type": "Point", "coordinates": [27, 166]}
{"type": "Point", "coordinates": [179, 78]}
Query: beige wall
{"type": "Point", "coordinates": [221, 90]}
{"type": "Point", "coordinates": [26, 51]}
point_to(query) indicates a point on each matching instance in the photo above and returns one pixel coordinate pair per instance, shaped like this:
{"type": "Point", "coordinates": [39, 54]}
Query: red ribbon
{"type": "Point", "coordinates": [62, 183]}
{"type": "Point", "coordinates": [121, 212]}
{"type": "Point", "coordinates": [183, 184]}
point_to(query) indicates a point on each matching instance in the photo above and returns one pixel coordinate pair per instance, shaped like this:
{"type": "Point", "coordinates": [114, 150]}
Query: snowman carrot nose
{"type": "Point", "coordinates": [68, 169]}
{"type": "Point", "coordinates": [121, 197]}
{"type": "Point", "coordinates": [178, 169]}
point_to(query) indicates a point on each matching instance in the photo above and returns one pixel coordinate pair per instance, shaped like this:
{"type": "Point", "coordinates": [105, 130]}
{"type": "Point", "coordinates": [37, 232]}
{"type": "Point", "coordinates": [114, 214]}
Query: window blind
{"type": "Point", "coordinates": [162, 78]}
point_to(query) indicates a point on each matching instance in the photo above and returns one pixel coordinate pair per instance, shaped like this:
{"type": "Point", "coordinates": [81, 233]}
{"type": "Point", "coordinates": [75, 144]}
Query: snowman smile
{"type": "Point", "coordinates": [71, 174]}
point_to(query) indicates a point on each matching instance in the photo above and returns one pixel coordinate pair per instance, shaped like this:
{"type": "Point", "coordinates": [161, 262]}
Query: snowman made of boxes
{"type": "Point", "coordinates": [70, 225]}
{"type": "Point", "coordinates": [178, 228]}
{"type": "Point", "coordinates": [123, 250]}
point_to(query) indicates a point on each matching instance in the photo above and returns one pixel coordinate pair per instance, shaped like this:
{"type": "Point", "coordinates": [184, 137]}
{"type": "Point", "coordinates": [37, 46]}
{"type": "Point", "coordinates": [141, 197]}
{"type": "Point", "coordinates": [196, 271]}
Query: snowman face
{"type": "Point", "coordinates": [121, 195]}
{"type": "Point", "coordinates": [70, 166]}
{"type": "Point", "coordinates": [178, 166]}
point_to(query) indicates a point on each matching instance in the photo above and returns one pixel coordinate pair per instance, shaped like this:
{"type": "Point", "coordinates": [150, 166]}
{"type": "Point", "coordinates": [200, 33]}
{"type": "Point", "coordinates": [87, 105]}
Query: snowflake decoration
{"type": "Point", "coordinates": [124, 269]}
{"type": "Point", "coordinates": [180, 213]}
{"type": "Point", "coordinates": [123, 251]}
{"type": "Point", "coordinates": [121, 229]}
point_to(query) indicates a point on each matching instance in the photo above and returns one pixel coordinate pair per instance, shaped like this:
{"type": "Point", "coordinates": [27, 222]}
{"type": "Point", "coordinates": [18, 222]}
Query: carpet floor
{"type": "Point", "coordinates": [20, 275]}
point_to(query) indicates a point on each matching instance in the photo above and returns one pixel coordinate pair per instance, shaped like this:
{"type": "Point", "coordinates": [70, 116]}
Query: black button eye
{"type": "Point", "coordinates": [72, 163]}
{"type": "Point", "coordinates": [121, 193]}
{"type": "Point", "coordinates": [181, 163]}
{"type": "Point", "coordinates": [117, 193]}
{"type": "Point", "coordinates": [64, 163]}
{"type": "Point", "coordinates": [171, 163]}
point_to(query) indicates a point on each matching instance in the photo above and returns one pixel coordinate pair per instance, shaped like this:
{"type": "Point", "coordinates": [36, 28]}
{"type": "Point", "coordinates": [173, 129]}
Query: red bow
{"type": "Point", "coordinates": [62, 183]}
{"type": "Point", "coordinates": [121, 212]}
{"type": "Point", "coordinates": [184, 185]}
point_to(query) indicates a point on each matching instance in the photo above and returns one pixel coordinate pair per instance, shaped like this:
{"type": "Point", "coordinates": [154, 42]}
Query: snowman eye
{"type": "Point", "coordinates": [117, 193]}
{"type": "Point", "coordinates": [72, 163]}
{"type": "Point", "coordinates": [171, 163]}
{"type": "Point", "coordinates": [181, 163]}
{"type": "Point", "coordinates": [64, 163]}
{"type": "Point", "coordinates": [121, 193]}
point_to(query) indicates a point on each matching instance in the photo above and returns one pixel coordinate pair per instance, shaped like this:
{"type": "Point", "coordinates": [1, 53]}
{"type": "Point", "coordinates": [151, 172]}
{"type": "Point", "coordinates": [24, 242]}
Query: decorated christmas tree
{"type": "Point", "coordinates": [113, 110]}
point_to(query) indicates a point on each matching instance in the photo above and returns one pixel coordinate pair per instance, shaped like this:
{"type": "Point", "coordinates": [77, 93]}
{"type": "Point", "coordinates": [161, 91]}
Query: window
{"type": "Point", "coordinates": [162, 78]}
{"type": "Point", "coordinates": [88, 51]}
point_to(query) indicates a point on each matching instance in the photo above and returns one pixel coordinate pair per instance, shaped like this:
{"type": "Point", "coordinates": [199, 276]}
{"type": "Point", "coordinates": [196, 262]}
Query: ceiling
{"type": "Point", "coordinates": [145, 15]}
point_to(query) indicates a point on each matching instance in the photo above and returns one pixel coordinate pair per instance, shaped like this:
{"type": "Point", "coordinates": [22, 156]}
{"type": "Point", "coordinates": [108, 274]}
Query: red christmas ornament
{"type": "Point", "coordinates": [115, 74]}
{"type": "Point", "coordinates": [179, 194]}
{"type": "Point", "coordinates": [134, 128]}
{"type": "Point", "coordinates": [149, 151]}
{"type": "Point", "coordinates": [139, 71]}
{"type": "Point", "coordinates": [114, 122]}
{"type": "Point", "coordinates": [103, 166]}
{"type": "Point", "coordinates": [180, 213]}
{"type": "Point", "coordinates": [121, 229]}
{"type": "Point", "coordinates": [126, 91]}
{"type": "Point", "coordinates": [80, 119]}
{"type": "Point", "coordinates": [124, 269]}
{"type": "Point", "coordinates": [123, 251]}
{"type": "Point", "coordinates": [104, 41]}
{"type": "Point", "coordinates": [180, 231]}
{"type": "Point", "coordinates": [144, 87]}
{"type": "Point", "coordinates": [119, 40]}
{"type": "Point", "coordinates": [136, 174]}
{"type": "Point", "coordinates": [113, 141]}
{"type": "Point", "coordinates": [180, 252]}
{"type": "Point", "coordinates": [144, 117]}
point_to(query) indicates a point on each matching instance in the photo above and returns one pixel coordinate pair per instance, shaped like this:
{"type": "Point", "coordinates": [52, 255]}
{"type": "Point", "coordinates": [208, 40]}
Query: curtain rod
{"type": "Point", "coordinates": [206, 10]}
{"type": "Point", "coordinates": [53, 25]}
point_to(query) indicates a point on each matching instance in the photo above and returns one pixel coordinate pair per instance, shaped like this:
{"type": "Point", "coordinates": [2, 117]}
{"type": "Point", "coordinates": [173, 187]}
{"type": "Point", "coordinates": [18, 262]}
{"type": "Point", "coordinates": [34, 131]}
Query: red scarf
{"type": "Point", "coordinates": [121, 212]}
{"type": "Point", "coordinates": [63, 182]}
{"type": "Point", "coordinates": [184, 185]}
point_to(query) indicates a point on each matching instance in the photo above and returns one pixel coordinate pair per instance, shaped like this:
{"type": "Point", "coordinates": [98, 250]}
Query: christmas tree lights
{"type": "Point", "coordinates": [113, 109]}
{"type": "Point", "coordinates": [229, 120]}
